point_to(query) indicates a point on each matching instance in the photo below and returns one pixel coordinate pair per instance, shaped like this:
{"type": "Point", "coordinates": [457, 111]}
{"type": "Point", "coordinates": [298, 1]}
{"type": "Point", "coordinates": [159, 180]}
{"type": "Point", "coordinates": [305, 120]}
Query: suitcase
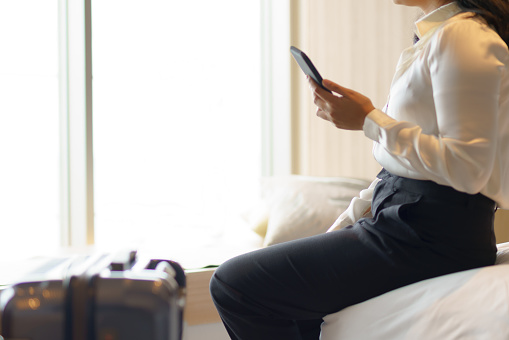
{"type": "Point", "coordinates": [99, 297]}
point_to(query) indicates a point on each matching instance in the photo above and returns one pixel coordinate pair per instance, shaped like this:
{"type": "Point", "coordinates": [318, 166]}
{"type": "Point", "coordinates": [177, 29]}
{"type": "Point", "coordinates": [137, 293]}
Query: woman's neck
{"type": "Point", "coordinates": [430, 6]}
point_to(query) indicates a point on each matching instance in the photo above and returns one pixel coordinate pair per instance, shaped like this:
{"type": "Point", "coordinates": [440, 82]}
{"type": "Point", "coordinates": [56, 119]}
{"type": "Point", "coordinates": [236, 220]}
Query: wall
{"type": "Point", "coordinates": [209, 331]}
{"type": "Point", "coordinates": [502, 225]}
{"type": "Point", "coordinates": [356, 44]}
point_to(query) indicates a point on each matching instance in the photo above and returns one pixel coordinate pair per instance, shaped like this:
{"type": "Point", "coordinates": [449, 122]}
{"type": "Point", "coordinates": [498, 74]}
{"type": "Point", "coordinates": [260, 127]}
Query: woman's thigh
{"type": "Point", "coordinates": [312, 277]}
{"type": "Point", "coordinates": [408, 240]}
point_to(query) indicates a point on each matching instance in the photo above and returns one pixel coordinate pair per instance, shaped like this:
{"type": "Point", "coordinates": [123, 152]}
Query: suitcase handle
{"type": "Point", "coordinates": [180, 275]}
{"type": "Point", "coordinates": [123, 260]}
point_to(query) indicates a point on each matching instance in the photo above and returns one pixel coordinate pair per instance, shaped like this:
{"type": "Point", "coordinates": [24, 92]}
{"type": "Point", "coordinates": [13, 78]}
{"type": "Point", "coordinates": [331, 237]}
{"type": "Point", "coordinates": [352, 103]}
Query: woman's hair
{"type": "Point", "coordinates": [495, 12]}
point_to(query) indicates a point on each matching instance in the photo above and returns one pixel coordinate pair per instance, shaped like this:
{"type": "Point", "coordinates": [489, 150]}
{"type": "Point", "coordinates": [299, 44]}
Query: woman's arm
{"type": "Point", "coordinates": [466, 64]}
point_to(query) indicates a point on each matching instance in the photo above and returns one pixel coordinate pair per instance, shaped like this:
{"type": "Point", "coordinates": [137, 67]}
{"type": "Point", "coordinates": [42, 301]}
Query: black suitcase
{"type": "Point", "coordinates": [99, 297]}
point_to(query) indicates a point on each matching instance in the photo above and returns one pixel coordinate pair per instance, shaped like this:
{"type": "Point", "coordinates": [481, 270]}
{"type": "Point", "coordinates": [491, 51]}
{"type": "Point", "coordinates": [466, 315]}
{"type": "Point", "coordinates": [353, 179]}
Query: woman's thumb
{"type": "Point", "coordinates": [336, 88]}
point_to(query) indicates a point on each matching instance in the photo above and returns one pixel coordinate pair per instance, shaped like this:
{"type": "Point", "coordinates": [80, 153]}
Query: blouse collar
{"type": "Point", "coordinates": [436, 18]}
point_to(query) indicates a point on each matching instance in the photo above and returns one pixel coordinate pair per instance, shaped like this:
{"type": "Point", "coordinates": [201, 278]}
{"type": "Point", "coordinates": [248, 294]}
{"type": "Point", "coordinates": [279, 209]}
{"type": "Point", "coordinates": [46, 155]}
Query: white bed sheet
{"type": "Point", "coordinates": [472, 304]}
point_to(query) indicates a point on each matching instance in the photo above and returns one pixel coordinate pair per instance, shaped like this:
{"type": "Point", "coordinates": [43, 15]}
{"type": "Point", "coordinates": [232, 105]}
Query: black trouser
{"type": "Point", "coordinates": [419, 230]}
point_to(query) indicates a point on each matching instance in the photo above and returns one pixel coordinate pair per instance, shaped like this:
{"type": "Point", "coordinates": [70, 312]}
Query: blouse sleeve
{"type": "Point", "coordinates": [466, 63]}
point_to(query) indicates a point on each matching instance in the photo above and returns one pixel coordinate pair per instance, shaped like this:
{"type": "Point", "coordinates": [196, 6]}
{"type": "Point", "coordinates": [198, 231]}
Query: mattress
{"type": "Point", "coordinates": [472, 304]}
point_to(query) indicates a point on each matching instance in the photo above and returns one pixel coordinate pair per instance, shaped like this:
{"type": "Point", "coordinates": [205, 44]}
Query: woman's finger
{"type": "Point", "coordinates": [317, 89]}
{"type": "Point", "coordinates": [345, 92]}
{"type": "Point", "coordinates": [324, 115]}
{"type": "Point", "coordinates": [325, 100]}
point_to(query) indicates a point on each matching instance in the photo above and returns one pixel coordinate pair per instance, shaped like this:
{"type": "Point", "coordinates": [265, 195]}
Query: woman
{"type": "Point", "coordinates": [443, 141]}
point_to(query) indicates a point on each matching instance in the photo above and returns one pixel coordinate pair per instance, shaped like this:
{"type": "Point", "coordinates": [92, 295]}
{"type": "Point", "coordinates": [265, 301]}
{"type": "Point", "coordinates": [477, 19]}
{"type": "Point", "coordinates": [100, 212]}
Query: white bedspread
{"type": "Point", "coordinates": [473, 304]}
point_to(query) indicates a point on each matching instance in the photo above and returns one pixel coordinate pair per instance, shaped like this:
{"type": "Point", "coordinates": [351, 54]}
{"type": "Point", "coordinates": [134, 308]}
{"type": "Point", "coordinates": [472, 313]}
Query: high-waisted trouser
{"type": "Point", "coordinates": [419, 230]}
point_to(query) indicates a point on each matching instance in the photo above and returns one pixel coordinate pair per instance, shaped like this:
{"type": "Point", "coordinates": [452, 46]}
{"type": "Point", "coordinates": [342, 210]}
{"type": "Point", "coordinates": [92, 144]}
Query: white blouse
{"type": "Point", "coordinates": [447, 117]}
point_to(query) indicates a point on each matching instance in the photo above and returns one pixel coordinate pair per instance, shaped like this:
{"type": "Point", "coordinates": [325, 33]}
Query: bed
{"type": "Point", "coordinates": [472, 304]}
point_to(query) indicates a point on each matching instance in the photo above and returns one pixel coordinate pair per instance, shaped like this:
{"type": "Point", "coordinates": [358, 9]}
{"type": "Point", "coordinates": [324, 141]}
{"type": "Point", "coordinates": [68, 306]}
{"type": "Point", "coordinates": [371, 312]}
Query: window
{"type": "Point", "coordinates": [173, 136]}
{"type": "Point", "coordinates": [177, 139]}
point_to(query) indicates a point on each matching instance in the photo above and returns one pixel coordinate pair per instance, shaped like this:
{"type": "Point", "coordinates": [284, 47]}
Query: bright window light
{"type": "Point", "coordinates": [29, 128]}
{"type": "Point", "coordinates": [176, 92]}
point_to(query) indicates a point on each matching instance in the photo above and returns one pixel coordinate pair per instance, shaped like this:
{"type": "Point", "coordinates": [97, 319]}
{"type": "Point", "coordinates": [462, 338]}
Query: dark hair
{"type": "Point", "coordinates": [495, 12]}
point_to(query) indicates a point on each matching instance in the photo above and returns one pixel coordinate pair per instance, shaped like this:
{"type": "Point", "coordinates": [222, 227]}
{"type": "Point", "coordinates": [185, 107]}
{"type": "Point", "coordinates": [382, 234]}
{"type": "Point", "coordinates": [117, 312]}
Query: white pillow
{"type": "Point", "coordinates": [302, 206]}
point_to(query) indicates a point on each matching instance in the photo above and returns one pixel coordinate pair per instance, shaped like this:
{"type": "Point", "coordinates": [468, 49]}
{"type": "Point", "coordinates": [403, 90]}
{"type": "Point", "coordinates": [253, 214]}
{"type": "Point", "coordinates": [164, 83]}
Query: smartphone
{"type": "Point", "coordinates": [307, 66]}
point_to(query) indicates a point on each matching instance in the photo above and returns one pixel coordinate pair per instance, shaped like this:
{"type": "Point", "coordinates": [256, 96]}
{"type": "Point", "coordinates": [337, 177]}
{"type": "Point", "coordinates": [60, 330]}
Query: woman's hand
{"type": "Point", "coordinates": [346, 111]}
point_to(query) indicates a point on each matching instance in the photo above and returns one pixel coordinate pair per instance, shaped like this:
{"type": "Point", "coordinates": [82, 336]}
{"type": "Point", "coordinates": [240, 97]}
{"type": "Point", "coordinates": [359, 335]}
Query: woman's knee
{"type": "Point", "coordinates": [222, 283]}
{"type": "Point", "coordinates": [216, 289]}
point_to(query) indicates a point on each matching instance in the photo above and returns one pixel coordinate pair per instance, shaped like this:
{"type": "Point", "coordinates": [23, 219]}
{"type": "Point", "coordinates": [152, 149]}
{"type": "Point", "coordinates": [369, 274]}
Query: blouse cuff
{"type": "Point", "coordinates": [374, 122]}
